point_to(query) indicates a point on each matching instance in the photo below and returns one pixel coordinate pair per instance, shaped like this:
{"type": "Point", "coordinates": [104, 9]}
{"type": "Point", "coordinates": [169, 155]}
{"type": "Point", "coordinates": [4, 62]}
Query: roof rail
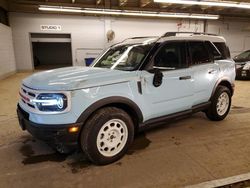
{"type": "Point", "coordinates": [170, 34]}
{"type": "Point", "coordinates": [143, 37]}
{"type": "Point", "coordinates": [133, 38]}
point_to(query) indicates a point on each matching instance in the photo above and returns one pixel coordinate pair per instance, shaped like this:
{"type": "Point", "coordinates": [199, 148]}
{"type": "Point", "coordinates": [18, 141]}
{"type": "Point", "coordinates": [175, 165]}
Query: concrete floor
{"type": "Point", "coordinates": [185, 152]}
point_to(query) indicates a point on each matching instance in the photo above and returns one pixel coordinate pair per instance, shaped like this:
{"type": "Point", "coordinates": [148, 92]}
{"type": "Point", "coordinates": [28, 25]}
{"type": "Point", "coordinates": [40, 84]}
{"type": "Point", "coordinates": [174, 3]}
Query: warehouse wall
{"type": "Point", "coordinates": [237, 34]}
{"type": "Point", "coordinates": [7, 59]}
{"type": "Point", "coordinates": [87, 32]}
{"type": "Point", "coordinates": [125, 28]}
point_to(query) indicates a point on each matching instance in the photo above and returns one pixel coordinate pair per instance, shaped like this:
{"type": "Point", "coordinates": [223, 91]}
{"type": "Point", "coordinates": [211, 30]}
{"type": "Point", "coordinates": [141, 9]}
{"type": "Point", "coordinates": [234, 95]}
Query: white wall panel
{"type": "Point", "coordinates": [235, 32]}
{"type": "Point", "coordinates": [88, 32]}
{"type": "Point", "coordinates": [125, 28]}
{"type": "Point", "coordinates": [7, 59]}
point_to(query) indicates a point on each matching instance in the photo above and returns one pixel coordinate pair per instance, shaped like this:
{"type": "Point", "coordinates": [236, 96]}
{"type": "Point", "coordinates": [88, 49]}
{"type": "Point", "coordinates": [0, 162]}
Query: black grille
{"type": "Point", "coordinates": [24, 90]}
{"type": "Point", "coordinates": [30, 105]}
{"type": "Point", "coordinates": [31, 94]}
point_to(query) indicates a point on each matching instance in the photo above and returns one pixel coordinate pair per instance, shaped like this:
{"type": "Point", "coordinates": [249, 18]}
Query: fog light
{"type": "Point", "coordinates": [73, 129]}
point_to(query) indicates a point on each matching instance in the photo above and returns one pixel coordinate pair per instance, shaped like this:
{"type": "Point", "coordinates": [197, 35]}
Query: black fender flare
{"type": "Point", "coordinates": [111, 101]}
{"type": "Point", "coordinates": [225, 82]}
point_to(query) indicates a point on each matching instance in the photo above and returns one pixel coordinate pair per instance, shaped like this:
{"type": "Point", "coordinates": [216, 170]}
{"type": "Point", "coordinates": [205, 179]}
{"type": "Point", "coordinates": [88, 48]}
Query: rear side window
{"type": "Point", "coordinates": [224, 50]}
{"type": "Point", "coordinates": [198, 53]}
{"type": "Point", "coordinates": [213, 51]}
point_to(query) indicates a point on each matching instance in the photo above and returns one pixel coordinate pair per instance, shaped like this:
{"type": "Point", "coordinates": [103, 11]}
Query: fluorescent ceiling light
{"type": "Point", "coordinates": [126, 12]}
{"type": "Point", "coordinates": [229, 4]}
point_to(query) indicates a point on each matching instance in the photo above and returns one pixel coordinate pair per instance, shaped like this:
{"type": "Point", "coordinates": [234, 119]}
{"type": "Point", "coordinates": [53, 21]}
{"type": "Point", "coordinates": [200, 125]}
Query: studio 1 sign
{"type": "Point", "coordinates": [50, 27]}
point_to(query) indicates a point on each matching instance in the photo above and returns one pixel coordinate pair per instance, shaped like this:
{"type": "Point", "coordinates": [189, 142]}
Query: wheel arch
{"type": "Point", "coordinates": [120, 102]}
{"type": "Point", "coordinates": [223, 82]}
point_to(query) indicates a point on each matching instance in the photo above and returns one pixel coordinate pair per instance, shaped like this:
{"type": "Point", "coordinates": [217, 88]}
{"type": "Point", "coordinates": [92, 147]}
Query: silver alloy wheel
{"type": "Point", "coordinates": [222, 103]}
{"type": "Point", "coordinates": [112, 137]}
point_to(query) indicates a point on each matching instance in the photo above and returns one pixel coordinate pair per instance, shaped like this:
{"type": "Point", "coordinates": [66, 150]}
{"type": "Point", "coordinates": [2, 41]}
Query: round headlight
{"type": "Point", "coordinates": [246, 66]}
{"type": "Point", "coordinates": [51, 102]}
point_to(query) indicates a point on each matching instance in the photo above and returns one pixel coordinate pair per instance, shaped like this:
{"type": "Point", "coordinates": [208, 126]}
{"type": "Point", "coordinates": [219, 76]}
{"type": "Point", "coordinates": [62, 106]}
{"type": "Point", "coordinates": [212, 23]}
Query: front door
{"type": "Point", "coordinates": [175, 94]}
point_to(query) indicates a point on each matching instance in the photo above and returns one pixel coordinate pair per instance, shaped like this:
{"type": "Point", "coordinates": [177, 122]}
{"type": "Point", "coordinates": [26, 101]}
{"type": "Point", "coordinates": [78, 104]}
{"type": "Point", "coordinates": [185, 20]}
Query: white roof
{"type": "Point", "coordinates": [177, 36]}
{"type": "Point", "coordinates": [204, 37]}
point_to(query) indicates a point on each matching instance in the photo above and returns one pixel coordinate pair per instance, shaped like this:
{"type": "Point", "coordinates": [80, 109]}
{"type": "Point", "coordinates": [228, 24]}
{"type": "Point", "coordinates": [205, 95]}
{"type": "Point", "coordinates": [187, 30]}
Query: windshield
{"type": "Point", "coordinates": [124, 57]}
{"type": "Point", "coordinates": [243, 56]}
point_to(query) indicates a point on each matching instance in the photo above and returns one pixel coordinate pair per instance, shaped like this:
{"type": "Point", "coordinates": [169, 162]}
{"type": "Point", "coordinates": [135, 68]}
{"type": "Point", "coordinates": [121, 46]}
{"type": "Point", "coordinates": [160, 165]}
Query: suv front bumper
{"type": "Point", "coordinates": [57, 136]}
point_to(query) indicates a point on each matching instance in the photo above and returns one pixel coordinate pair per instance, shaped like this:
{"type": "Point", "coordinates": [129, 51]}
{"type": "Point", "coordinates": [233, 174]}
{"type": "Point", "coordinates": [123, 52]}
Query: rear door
{"type": "Point", "coordinates": [205, 71]}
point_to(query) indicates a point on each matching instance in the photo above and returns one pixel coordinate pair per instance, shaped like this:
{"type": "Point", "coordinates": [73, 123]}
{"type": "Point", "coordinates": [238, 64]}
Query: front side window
{"type": "Point", "coordinates": [198, 52]}
{"type": "Point", "coordinates": [124, 57]}
{"type": "Point", "coordinates": [171, 55]}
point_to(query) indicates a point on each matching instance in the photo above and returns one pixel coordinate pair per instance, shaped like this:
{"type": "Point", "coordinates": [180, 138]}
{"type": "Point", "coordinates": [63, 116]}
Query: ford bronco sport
{"type": "Point", "coordinates": [135, 84]}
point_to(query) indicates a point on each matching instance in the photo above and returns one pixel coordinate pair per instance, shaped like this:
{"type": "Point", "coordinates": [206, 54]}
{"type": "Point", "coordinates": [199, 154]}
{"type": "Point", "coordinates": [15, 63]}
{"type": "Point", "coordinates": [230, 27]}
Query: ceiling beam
{"type": "Point", "coordinates": [107, 4]}
{"type": "Point", "coordinates": [50, 3]}
{"type": "Point", "coordinates": [144, 3]}
{"type": "Point", "coordinates": [140, 5]}
{"type": "Point", "coordinates": [165, 5]}
{"type": "Point", "coordinates": [123, 3]}
{"type": "Point", "coordinates": [185, 7]}
{"type": "Point", "coordinates": [214, 8]}
{"type": "Point", "coordinates": [4, 4]}
{"type": "Point", "coordinates": [98, 2]}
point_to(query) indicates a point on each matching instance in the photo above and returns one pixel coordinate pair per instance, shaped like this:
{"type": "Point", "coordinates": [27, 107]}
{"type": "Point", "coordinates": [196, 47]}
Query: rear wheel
{"type": "Point", "coordinates": [220, 105]}
{"type": "Point", "coordinates": [107, 135]}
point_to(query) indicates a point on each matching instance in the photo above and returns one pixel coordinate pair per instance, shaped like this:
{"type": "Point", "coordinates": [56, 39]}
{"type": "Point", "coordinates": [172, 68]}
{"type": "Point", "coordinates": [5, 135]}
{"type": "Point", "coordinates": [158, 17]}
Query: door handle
{"type": "Point", "coordinates": [212, 71]}
{"type": "Point", "coordinates": [184, 77]}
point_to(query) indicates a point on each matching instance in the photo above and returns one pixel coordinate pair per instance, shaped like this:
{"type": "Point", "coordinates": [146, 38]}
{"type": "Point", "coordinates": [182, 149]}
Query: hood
{"type": "Point", "coordinates": [240, 60]}
{"type": "Point", "coordinates": [72, 78]}
{"type": "Point", "coordinates": [237, 59]}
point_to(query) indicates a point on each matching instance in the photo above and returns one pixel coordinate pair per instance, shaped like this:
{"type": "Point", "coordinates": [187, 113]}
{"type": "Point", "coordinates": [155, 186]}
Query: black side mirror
{"type": "Point", "coordinates": [157, 80]}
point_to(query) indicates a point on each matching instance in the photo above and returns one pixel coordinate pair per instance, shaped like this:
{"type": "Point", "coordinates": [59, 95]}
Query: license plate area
{"type": "Point", "coordinates": [243, 73]}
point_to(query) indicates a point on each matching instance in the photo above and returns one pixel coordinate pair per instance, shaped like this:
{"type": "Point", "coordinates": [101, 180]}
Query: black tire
{"type": "Point", "coordinates": [212, 112]}
{"type": "Point", "coordinates": [89, 134]}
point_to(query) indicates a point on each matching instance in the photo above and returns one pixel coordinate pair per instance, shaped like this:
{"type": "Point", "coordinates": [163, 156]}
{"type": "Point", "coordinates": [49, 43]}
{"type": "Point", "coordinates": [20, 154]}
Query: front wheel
{"type": "Point", "coordinates": [107, 135]}
{"type": "Point", "coordinates": [220, 105]}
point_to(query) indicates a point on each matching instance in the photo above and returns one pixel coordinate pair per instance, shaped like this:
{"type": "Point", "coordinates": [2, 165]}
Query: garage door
{"type": "Point", "coordinates": [51, 50]}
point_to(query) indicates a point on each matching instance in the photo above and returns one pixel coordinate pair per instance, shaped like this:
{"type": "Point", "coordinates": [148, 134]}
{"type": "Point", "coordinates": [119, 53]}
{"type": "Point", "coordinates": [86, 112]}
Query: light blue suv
{"type": "Point", "coordinates": [138, 83]}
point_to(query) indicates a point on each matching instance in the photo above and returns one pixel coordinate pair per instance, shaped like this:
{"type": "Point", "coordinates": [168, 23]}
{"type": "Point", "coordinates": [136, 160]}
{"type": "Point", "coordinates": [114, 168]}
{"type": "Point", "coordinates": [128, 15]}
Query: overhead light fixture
{"type": "Point", "coordinates": [228, 4]}
{"type": "Point", "coordinates": [126, 12]}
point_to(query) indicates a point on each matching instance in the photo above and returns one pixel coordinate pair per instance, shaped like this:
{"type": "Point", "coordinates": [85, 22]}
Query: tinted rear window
{"type": "Point", "coordinates": [224, 50]}
{"type": "Point", "coordinates": [198, 52]}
